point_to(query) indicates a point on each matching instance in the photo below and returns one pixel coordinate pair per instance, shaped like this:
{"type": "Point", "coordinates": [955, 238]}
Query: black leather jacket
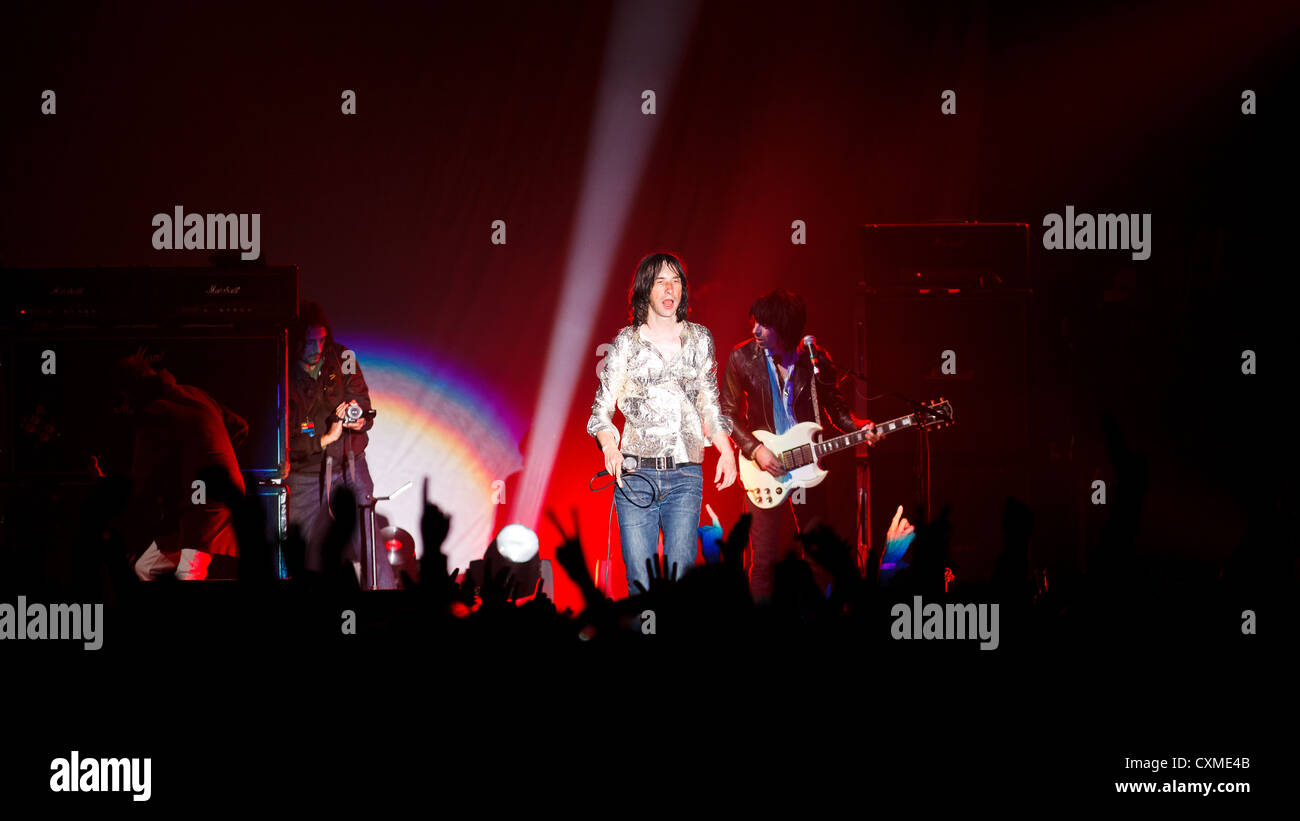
{"type": "Point", "coordinates": [746, 395]}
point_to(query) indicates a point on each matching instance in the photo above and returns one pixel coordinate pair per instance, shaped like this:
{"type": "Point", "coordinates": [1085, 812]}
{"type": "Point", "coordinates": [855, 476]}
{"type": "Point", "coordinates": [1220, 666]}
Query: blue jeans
{"type": "Point", "coordinates": [676, 511]}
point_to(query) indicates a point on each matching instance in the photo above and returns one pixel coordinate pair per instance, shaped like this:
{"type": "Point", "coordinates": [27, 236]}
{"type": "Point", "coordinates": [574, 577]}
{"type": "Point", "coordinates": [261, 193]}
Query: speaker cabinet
{"type": "Point", "coordinates": [274, 501]}
{"type": "Point", "coordinates": [61, 394]}
{"type": "Point", "coordinates": [969, 348]}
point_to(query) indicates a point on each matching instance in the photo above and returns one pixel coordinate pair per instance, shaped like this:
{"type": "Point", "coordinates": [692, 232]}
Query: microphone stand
{"type": "Point", "coordinates": [924, 464]}
{"type": "Point", "coordinates": [924, 461]}
{"type": "Point", "coordinates": [368, 511]}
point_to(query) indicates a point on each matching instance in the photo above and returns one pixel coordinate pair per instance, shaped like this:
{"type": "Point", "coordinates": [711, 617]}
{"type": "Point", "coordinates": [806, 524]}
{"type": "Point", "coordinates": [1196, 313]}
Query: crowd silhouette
{"type": "Point", "coordinates": [1118, 605]}
{"type": "Point", "coordinates": [315, 682]}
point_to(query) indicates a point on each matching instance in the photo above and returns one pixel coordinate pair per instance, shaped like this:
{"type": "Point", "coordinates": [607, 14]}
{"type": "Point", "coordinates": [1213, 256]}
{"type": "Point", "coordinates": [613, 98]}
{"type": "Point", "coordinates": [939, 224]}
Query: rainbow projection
{"type": "Point", "coordinates": [435, 422]}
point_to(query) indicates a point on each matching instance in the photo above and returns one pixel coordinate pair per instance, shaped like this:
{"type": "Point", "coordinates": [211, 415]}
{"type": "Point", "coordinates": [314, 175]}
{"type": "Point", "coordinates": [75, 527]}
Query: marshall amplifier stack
{"type": "Point", "coordinates": [128, 298]}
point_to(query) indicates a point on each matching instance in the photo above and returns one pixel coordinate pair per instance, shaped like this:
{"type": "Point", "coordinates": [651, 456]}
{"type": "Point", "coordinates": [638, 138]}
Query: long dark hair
{"type": "Point", "coordinates": [638, 299]}
{"type": "Point", "coordinates": [310, 315]}
{"type": "Point", "coordinates": [784, 312]}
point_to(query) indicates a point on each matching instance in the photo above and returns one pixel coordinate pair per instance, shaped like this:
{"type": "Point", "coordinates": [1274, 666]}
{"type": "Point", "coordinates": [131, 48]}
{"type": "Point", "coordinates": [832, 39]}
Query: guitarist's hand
{"type": "Point", "coordinates": [874, 437]}
{"type": "Point", "coordinates": [767, 460]}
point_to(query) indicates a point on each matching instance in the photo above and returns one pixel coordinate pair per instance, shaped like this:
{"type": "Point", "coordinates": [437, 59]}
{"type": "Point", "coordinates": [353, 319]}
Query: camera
{"type": "Point", "coordinates": [354, 412]}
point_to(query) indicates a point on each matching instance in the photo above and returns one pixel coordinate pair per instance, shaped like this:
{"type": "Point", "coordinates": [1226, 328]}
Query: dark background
{"type": "Point", "coordinates": [828, 113]}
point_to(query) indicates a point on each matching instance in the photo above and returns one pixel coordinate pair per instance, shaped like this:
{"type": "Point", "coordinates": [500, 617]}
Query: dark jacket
{"type": "Point", "coordinates": [746, 395]}
{"type": "Point", "coordinates": [312, 403]}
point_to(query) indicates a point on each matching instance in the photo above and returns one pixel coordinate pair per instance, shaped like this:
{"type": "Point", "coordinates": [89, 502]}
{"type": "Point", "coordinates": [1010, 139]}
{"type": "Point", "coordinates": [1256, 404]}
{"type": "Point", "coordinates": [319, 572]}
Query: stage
{"type": "Point", "coordinates": [1024, 268]}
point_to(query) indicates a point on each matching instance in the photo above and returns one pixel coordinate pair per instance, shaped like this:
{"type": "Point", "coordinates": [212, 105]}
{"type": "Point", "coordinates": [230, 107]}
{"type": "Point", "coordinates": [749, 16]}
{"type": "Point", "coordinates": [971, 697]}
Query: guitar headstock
{"type": "Point", "coordinates": [936, 414]}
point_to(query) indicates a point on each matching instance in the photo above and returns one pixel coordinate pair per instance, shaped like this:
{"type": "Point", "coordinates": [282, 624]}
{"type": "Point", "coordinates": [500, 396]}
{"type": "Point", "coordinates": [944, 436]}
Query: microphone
{"type": "Point", "coordinates": [628, 464]}
{"type": "Point", "coordinates": [810, 341]}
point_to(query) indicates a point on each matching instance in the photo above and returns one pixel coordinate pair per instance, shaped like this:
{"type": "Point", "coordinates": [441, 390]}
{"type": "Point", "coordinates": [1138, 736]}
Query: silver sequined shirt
{"type": "Point", "coordinates": [671, 408]}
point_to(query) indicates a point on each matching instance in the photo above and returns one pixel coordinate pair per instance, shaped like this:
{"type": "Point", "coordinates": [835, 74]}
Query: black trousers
{"type": "Point", "coordinates": [310, 513]}
{"type": "Point", "coordinates": [772, 538]}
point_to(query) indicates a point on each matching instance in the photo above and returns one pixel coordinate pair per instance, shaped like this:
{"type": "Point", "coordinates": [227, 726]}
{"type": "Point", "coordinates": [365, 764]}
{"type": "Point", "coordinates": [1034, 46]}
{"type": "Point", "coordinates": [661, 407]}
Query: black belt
{"type": "Point", "coordinates": [656, 462]}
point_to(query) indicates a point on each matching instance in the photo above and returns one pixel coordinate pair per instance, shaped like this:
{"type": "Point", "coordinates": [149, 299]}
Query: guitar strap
{"type": "Point", "coordinates": [329, 480]}
{"type": "Point", "coordinates": [350, 471]}
{"type": "Point", "coordinates": [817, 416]}
{"type": "Point", "coordinates": [786, 390]}
{"type": "Point", "coordinates": [812, 384]}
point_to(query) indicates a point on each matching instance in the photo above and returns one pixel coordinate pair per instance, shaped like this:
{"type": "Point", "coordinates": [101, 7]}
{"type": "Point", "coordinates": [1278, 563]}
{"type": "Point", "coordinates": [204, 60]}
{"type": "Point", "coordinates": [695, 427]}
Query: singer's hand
{"type": "Point", "coordinates": [725, 475]}
{"type": "Point", "coordinates": [614, 464]}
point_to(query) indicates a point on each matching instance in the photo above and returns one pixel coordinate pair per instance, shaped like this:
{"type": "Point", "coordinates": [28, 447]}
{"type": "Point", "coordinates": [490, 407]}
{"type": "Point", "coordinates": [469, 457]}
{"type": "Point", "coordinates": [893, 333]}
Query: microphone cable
{"type": "Point", "coordinates": [650, 484]}
{"type": "Point", "coordinates": [609, 529]}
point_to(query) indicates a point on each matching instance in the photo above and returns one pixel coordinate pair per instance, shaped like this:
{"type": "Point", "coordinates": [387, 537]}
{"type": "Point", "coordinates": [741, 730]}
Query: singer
{"type": "Point", "coordinates": [662, 374]}
{"type": "Point", "coordinates": [768, 385]}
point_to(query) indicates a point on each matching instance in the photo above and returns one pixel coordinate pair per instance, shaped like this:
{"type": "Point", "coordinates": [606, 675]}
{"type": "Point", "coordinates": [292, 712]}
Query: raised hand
{"type": "Point", "coordinates": [898, 537]}
{"type": "Point", "coordinates": [733, 549]}
{"type": "Point", "coordinates": [570, 557]}
{"type": "Point", "coordinates": [711, 537]}
{"type": "Point", "coordinates": [659, 580]}
{"type": "Point", "coordinates": [497, 588]}
{"type": "Point", "coordinates": [434, 527]}
{"type": "Point", "coordinates": [825, 547]}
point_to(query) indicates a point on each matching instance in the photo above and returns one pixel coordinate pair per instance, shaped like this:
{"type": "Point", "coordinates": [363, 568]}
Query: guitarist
{"type": "Point", "coordinates": [767, 386]}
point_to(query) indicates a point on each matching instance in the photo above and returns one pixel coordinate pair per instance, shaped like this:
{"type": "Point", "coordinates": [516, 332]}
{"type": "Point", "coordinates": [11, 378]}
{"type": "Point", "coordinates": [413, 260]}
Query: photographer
{"type": "Point", "coordinates": [326, 449]}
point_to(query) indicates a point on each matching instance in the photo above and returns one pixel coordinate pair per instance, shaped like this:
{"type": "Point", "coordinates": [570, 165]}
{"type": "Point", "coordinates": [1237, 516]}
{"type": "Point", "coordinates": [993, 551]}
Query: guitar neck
{"type": "Point", "coordinates": [857, 437]}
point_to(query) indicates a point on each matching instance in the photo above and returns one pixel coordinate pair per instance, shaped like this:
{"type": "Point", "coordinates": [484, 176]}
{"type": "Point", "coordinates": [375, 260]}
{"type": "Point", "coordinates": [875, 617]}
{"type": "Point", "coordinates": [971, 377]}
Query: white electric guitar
{"type": "Point", "coordinates": [798, 452]}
